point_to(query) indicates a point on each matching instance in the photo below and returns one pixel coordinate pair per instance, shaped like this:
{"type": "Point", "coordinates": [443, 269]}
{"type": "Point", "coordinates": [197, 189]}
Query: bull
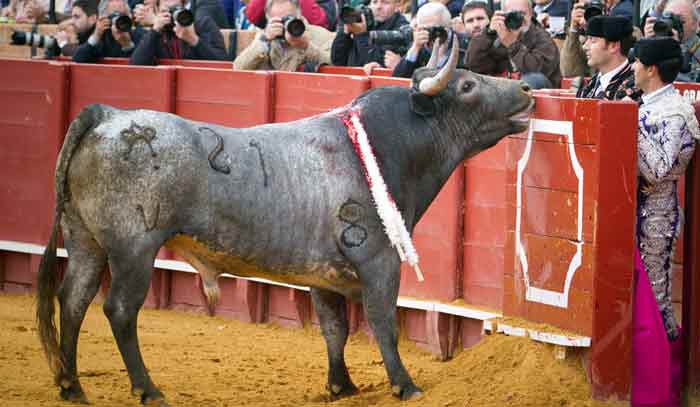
{"type": "Point", "coordinates": [286, 202]}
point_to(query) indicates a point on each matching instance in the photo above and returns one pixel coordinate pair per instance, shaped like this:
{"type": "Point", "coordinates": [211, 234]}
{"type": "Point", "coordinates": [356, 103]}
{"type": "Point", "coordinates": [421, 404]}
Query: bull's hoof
{"type": "Point", "coordinates": [152, 398]}
{"type": "Point", "coordinates": [74, 393]}
{"type": "Point", "coordinates": [407, 392]}
{"type": "Point", "coordinates": [338, 391]}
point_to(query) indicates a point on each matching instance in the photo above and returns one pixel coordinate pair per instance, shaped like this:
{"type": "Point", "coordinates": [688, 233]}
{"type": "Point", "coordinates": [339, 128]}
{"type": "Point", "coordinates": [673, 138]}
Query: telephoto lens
{"type": "Point", "coordinates": [32, 39]}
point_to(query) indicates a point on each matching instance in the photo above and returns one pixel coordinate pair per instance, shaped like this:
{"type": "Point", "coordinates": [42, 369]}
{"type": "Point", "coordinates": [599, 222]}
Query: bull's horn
{"type": "Point", "coordinates": [433, 61]}
{"type": "Point", "coordinates": [433, 85]}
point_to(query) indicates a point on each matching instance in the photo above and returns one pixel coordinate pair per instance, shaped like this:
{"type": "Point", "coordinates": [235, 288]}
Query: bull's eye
{"type": "Point", "coordinates": [467, 86]}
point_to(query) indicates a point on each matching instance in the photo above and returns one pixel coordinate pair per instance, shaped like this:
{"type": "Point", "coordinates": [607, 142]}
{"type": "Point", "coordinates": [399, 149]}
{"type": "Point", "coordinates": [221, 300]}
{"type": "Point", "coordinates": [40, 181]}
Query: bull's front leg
{"type": "Point", "coordinates": [332, 313]}
{"type": "Point", "coordinates": [380, 279]}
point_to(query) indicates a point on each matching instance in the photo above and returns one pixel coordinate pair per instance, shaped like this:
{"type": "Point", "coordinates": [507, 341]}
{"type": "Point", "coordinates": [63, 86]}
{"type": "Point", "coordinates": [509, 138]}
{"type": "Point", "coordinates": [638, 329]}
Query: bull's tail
{"type": "Point", "coordinates": [47, 278]}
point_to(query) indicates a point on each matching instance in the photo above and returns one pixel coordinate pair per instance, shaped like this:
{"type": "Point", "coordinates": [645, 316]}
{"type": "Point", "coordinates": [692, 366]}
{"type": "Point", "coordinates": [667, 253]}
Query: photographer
{"type": "Point", "coordinates": [83, 17]}
{"type": "Point", "coordinates": [177, 34]}
{"type": "Point", "coordinates": [432, 21]}
{"type": "Point", "coordinates": [480, 56]}
{"type": "Point", "coordinates": [113, 35]}
{"type": "Point", "coordinates": [351, 44]}
{"type": "Point", "coordinates": [287, 42]}
{"type": "Point", "coordinates": [515, 39]}
{"type": "Point", "coordinates": [679, 20]}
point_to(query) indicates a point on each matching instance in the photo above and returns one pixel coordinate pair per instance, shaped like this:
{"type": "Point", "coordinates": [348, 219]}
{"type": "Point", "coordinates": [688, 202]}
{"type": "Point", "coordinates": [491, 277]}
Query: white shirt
{"type": "Point", "coordinates": [605, 79]}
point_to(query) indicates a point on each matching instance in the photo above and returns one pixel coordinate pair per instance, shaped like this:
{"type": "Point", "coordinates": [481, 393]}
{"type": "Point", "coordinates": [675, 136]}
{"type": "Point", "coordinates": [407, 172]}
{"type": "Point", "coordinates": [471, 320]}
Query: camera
{"type": "Point", "coordinates": [664, 25]}
{"type": "Point", "coordinates": [350, 15]}
{"type": "Point", "coordinates": [293, 25]}
{"type": "Point", "coordinates": [514, 20]}
{"type": "Point", "coordinates": [32, 39]}
{"type": "Point", "coordinates": [393, 39]}
{"type": "Point", "coordinates": [183, 16]}
{"type": "Point", "coordinates": [121, 21]}
{"type": "Point", "coordinates": [400, 40]}
{"type": "Point", "coordinates": [592, 9]}
{"type": "Point", "coordinates": [47, 42]}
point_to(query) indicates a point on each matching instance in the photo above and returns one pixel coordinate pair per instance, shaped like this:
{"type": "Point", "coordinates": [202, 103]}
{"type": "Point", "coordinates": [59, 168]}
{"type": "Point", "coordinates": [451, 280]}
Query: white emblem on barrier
{"type": "Point", "coordinates": [535, 294]}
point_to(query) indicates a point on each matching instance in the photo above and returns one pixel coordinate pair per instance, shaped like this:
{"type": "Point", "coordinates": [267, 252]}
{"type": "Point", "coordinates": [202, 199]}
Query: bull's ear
{"type": "Point", "coordinates": [422, 104]}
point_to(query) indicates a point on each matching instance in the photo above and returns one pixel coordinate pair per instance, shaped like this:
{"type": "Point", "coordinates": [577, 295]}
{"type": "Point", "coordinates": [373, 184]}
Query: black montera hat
{"type": "Point", "coordinates": [654, 50]}
{"type": "Point", "coordinates": [609, 27]}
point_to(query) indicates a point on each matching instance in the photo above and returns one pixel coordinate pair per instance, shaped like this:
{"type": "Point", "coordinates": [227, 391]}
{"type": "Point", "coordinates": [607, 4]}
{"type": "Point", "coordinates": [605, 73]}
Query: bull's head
{"type": "Point", "coordinates": [485, 108]}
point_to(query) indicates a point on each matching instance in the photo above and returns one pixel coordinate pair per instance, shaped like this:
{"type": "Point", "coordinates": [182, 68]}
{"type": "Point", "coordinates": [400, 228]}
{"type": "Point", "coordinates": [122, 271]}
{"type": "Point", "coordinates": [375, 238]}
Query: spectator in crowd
{"type": "Point", "coordinates": [351, 44]}
{"type": "Point", "coordinates": [242, 22]}
{"type": "Point", "coordinates": [528, 49]}
{"type": "Point", "coordinates": [108, 39]}
{"type": "Point", "coordinates": [276, 48]}
{"type": "Point", "coordinates": [27, 11]}
{"type": "Point", "coordinates": [690, 42]}
{"type": "Point", "coordinates": [608, 42]}
{"type": "Point", "coordinates": [83, 19]}
{"type": "Point", "coordinates": [169, 39]}
{"type": "Point", "coordinates": [433, 17]}
{"type": "Point", "coordinates": [481, 57]}
{"type": "Point", "coordinates": [667, 133]}
{"type": "Point", "coordinates": [145, 12]}
{"type": "Point", "coordinates": [551, 14]}
{"type": "Point", "coordinates": [310, 10]}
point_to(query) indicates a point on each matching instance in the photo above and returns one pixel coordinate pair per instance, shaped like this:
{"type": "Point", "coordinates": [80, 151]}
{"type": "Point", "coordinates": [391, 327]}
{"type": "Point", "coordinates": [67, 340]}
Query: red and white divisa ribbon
{"type": "Point", "coordinates": [394, 225]}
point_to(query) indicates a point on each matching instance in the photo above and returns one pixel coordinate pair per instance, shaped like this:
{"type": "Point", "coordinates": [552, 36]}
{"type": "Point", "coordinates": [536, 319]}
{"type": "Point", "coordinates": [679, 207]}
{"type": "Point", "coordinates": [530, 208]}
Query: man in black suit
{"type": "Point", "coordinates": [608, 42]}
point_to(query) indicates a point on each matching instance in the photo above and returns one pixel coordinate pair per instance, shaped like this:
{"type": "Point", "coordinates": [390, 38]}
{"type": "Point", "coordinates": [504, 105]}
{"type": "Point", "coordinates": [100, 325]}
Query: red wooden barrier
{"type": "Point", "coordinates": [691, 257]}
{"type": "Point", "coordinates": [238, 99]}
{"type": "Point", "coordinates": [342, 70]}
{"type": "Point", "coordinates": [299, 95]}
{"type": "Point", "coordinates": [125, 87]}
{"type": "Point", "coordinates": [32, 124]}
{"type": "Point", "coordinates": [572, 204]}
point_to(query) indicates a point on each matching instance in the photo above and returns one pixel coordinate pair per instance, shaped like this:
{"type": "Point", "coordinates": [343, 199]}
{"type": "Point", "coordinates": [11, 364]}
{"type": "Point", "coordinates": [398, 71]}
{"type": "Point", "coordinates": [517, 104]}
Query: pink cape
{"type": "Point", "coordinates": [656, 362]}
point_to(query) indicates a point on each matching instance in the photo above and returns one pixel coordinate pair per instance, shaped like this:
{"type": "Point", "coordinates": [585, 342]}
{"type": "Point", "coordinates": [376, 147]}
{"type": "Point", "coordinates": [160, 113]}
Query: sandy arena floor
{"type": "Point", "coordinates": [202, 361]}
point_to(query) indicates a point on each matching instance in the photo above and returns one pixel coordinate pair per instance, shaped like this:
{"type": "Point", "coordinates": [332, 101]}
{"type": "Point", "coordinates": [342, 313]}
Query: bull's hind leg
{"type": "Point", "coordinates": [79, 287]}
{"type": "Point", "coordinates": [380, 277]}
{"type": "Point", "coordinates": [332, 313]}
{"type": "Point", "coordinates": [131, 277]}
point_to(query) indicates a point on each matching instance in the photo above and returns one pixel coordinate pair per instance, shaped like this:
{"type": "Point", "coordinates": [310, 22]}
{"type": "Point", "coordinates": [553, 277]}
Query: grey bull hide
{"type": "Point", "coordinates": [286, 202]}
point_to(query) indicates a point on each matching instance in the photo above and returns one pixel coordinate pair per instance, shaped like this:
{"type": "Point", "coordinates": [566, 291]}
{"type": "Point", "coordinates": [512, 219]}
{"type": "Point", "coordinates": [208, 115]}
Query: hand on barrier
{"type": "Point", "coordinates": [369, 67]}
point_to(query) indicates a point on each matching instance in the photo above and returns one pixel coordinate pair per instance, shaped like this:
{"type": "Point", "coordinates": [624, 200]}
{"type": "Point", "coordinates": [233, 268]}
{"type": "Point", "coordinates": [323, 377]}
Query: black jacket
{"type": "Point", "coordinates": [617, 89]}
{"type": "Point", "coordinates": [406, 68]}
{"type": "Point", "coordinates": [155, 45]}
{"type": "Point", "coordinates": [354, 50]}
{"type": "Point", "coordinates": [107, 47]}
